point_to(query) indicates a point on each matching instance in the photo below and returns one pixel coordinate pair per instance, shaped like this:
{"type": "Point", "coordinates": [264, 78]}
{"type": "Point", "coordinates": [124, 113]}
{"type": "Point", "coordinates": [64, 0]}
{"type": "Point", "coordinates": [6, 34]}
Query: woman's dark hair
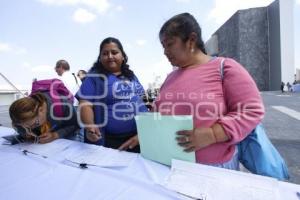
{"type": "Point", "coordinates": [182, 25]}
{"type": "Point", "coordinates": [99, 68]}
{"type": "Point", "coordinates": [81, 71]}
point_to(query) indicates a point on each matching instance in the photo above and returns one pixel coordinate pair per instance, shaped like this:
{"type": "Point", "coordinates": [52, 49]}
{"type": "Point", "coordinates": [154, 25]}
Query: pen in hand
{"type": "Point", "coordinates": [93, 135]}
{"type": "Point", "coordinates": [91, 132]}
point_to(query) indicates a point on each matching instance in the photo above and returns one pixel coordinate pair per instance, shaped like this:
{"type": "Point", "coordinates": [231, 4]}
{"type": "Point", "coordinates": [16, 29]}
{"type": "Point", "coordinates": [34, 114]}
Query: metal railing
{"type": "Point", "coordinates": [11, 84]}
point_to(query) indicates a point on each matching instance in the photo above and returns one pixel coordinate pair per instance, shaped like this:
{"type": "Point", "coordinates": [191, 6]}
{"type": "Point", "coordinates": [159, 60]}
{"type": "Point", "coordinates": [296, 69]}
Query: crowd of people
{"type": "Point", "coordinates": [225, 105]}
{"type": "Point", "coordinates": [289, 87]}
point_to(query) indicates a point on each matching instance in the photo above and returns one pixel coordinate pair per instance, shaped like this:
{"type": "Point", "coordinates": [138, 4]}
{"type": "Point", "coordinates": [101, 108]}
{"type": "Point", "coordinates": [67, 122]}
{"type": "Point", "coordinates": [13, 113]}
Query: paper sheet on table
{"type": "Point", "coordinates": [99, 156]}
{"type": "Point", "coordinates": [6, 131]}
{"type": "Point", "coordinates": [49, 149]}
{"type": "Point", "coordinates": [157, 135]}
{"type": "Point", "coordinates": [213, 183]}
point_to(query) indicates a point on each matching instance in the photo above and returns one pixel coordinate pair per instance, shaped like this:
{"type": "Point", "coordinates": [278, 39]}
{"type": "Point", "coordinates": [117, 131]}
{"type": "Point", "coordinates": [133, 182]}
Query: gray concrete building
{"type": "Point", "coordinates": [261, 39]}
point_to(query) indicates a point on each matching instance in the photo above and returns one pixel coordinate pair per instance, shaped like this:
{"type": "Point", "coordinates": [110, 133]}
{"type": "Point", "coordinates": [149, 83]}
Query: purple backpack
{"type": "Point", "coordinates": [57, 91]}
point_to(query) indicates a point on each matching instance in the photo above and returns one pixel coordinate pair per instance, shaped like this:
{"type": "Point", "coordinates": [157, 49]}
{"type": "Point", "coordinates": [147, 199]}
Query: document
{"type": "Point", "coordinates": [213, 183]}
{"type": "Point", "coordinates": [157, 136]}
{"type": "Point", "coordinates": [82, 153]}
{"type": "Point", "coordinates": [47, 150]}
{"type": "Point", "coordinates": [4, 131]}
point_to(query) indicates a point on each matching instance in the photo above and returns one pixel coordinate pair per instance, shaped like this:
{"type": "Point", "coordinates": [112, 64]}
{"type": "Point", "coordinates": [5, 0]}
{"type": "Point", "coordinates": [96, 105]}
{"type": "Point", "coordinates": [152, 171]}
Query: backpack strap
{"type": "Point", "coordinates": [222, 68]}
{"type": "Point", "coordinates": [56, 104]}
{"type": "Point", "coordinates": [58, 109]}
{"type": "Point", "coordinates": [222, 78]}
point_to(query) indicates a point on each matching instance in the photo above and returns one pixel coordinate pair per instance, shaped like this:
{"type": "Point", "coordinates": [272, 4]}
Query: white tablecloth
{"type": "Point", "coordinates": [33, 177]}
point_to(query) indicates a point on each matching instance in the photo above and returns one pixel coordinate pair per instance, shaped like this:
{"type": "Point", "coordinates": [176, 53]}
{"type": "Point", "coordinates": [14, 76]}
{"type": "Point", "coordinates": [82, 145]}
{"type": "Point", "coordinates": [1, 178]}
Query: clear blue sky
{"type": "Point", "coordinates": [34, 34]}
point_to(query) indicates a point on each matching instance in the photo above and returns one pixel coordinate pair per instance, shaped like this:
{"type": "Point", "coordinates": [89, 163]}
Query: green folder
{"type": "Point", "coordinates": [157, 137]}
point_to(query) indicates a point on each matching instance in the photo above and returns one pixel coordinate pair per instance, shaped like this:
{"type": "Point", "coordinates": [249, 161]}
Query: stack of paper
{"type": "Point", "coordinates": [212, 183]}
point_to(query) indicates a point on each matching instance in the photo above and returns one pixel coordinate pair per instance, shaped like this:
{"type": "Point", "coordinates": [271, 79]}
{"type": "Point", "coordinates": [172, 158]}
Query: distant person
{"type": "Point", "coordinates": [81, 74]}
{"type": "Point", "coordinates": [110, 99]}
{"type": "Point", "coordinates": [295, 82]}
{"type": "Point", "coordinates": [282, 87]}
{"type": "Point", "coordinates": [31, 117]}
{"type": "Point", "coordinates": [225, 109]}
{"type": "Point", "coordinates": [147, 100]}
{"type": "Point", "coordinates": [289, 86]}
{"type": "Point", "coordinates": [69, 79]}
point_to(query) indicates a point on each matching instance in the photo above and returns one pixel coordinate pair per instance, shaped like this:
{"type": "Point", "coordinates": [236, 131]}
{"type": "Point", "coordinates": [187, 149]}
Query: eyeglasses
{"type": "Point", "coordinates": [30, 129]}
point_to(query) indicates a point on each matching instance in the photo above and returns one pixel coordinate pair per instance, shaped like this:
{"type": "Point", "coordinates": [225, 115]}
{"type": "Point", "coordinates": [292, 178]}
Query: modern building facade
{"type": "Point", "coordinates": [261, 39]}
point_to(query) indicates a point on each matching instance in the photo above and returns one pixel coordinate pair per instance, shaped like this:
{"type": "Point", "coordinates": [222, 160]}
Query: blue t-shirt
{"type": "Point", "coordinates": [116, 100]}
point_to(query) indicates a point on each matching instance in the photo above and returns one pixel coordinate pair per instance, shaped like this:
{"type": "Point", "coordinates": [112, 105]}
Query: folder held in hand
{"type": "Point", "coordinates": [157, 136]}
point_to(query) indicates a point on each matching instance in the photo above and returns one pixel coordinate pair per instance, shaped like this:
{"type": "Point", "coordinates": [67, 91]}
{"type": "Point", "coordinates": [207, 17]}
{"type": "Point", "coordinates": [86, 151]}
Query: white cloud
{"type": "Point", "coordinates": [60, 2]}
{"type": "Point", "coordinates": [100, 5]}
{"type": "Point", "coordinates": [225, 9]}
{"type": "Point", "coordinates": [4, 47]}
{"type": "Point", "coordinates": [119, 8]}
{"type": "Point", "coordinates": [42, 68]}
{"type": "Point", "coordinates": [298, 2]}
{"type": "Point", "coordinates": [25, 65]}
{"type": "Point", "coordinates": [20, 50]}
{"type": "Point", "coordinates": [152, 72]}
{"type": "Point", "coordinates": [183, 1]}
{"type": "Point", "coordinates": [141, 42]}
{"type": "Point", "coordinates": [83, 16]}
{"type": "Point", "coordinates": [127, 45]}
{"type": "Point", "coordinates": [39, 72]}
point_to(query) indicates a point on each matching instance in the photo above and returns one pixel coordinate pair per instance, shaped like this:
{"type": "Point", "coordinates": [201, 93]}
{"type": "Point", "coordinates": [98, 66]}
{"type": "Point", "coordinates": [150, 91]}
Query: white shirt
{"type": "Point", "coordinates": [69, 81]}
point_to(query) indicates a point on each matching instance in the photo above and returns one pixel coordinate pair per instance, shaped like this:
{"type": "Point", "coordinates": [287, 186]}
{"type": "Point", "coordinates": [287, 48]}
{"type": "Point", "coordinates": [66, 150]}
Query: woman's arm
{"type": "Point", "coordinates": [64, 128]}
{"type": "Point", "coordinates": [87, 117]}
{"type": "Point", "coordinates": [244, 105]}
{"type": "Point", "coordinates": [91, 88]}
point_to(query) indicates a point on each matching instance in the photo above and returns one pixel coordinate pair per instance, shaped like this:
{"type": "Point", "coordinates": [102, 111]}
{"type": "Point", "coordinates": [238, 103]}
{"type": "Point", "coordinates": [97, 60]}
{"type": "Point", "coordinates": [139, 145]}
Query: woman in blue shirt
{"type": "Point", "coordinates": [110, 97]}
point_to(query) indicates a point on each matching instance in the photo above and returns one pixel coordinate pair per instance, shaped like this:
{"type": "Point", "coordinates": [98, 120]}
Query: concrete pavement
{"type": "Point", "coordinates": [284, 128]}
